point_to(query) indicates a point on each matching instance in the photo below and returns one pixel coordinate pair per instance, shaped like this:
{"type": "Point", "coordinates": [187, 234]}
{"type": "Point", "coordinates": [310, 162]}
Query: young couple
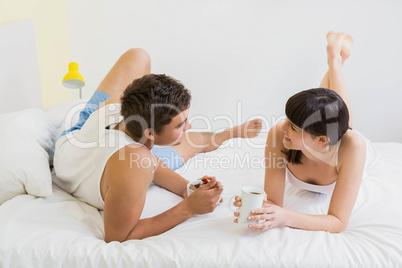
{"type": "Point", "coordinates": [133, 110]}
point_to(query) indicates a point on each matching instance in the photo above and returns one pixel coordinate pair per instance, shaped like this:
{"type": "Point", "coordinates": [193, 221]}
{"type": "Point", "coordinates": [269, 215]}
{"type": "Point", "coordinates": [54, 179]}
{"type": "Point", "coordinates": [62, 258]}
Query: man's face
{"type": "Point", "coordinates": [173, 133]}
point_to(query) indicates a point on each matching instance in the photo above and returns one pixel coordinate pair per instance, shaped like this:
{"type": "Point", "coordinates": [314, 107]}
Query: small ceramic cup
{"type": "Point", "coordinates": [196, 182]}
{"type": "Point", "coordinates": [251, 198]}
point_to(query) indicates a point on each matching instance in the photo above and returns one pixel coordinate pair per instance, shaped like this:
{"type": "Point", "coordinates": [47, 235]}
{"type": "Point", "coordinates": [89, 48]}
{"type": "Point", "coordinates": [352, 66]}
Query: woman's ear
{"type": "Point", "coordinates": [323, 139]}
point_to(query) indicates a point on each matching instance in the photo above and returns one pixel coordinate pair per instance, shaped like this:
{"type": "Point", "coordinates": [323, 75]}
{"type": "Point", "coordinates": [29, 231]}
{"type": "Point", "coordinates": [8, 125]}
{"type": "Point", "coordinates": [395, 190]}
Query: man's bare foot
{"type": "Point", "coordinates": [249, 129]}
{"type": "Point", "coordinates": [334, 47]}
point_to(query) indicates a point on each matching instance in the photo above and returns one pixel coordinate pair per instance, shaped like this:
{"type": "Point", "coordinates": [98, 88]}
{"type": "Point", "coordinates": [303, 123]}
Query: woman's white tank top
{"type": "Point", "coordinates": [372, 157]}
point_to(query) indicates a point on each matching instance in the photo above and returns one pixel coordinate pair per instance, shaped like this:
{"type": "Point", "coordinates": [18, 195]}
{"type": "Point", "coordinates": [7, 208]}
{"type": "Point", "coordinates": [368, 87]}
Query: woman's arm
{"type": "Point", "coordinates": [274, 185]}
{"type": "Point", "coordinates": [352, 157]}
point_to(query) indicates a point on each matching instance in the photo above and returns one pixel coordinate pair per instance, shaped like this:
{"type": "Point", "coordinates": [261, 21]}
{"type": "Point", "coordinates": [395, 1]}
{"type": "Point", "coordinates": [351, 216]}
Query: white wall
{"type": "Point", "coordinates": [254, 53]}
{"type": "Point", "coordinates": [51, 33]}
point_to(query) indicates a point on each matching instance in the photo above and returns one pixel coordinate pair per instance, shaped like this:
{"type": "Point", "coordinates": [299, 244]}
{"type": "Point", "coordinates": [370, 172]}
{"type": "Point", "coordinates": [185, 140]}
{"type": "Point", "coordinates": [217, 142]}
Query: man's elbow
{"type": "Point", "coordinates": [118, 238]}
{"type": "Point", "coordinates": [135, 234]}
{"type": "Point", "coordinates": [109, 239]}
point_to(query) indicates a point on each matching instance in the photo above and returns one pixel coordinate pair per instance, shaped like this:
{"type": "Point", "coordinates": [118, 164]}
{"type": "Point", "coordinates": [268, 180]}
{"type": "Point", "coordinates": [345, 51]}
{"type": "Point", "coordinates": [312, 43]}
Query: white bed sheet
{"type": "Point", "coordinates": [60, 231]}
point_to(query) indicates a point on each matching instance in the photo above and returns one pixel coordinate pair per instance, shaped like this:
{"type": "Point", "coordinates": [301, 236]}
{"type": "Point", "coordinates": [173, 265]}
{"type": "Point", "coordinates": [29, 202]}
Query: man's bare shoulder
{"type": "Point", "coordinates": [132, 157]}
{"type": "Point", "coordinates": [128, 165]}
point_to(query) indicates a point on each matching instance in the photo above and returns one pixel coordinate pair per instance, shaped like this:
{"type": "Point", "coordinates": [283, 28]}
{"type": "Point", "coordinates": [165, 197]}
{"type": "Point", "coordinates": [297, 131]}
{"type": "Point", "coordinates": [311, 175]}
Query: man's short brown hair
{"type": "Point", "coordinates": [151, 102]}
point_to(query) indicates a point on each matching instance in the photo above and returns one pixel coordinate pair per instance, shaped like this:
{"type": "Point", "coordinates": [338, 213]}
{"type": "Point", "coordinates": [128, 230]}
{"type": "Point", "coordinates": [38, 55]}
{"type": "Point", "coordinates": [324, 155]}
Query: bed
{"type": "Point", "coordinates": [43, 226]}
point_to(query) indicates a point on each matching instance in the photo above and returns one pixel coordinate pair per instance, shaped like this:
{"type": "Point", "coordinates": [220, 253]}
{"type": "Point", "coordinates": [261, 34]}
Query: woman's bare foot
{"type": "Point", "coordinates": [249, 129]}
{"type": "Point", "coordinates": [346, 45]}
{"type": "Point", "coordinates": [334, 47]}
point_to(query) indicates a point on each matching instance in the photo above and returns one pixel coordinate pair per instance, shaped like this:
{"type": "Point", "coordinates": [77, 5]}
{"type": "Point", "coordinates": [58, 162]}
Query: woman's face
{"type": "Point", "coordinates": [294, 137]}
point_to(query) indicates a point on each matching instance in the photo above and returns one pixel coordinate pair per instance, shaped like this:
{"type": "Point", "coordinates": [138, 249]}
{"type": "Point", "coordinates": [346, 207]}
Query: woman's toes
{"type": "Point", "coordinates": [347, 41]}
{"type": "Point", "coordinates": [334, 46]}
{"type": "Point", "coordinates": [331, 35]}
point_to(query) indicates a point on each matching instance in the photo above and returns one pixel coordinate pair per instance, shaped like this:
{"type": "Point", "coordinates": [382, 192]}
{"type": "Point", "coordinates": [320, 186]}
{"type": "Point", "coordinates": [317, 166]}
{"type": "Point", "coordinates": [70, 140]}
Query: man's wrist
{"type": "Point", "coordinates": [184, 189]}
{"type": "Point", "coordinates": [186, 208]}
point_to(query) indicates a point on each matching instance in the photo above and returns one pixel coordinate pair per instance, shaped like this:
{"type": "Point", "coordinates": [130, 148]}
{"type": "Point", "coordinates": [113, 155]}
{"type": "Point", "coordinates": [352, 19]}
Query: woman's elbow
{"type": "Point", "coordinates": [338, 227]}
{"type": "Point", "coordinates": [337, 230]}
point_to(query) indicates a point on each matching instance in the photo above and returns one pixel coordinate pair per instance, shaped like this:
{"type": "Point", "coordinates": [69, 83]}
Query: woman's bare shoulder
{"type": "Point", "coordinates": [353, 139]}
{"type": "Point", "coordinates": [352, 145]}
{"type": "Point", "coordinates": [275, 138]}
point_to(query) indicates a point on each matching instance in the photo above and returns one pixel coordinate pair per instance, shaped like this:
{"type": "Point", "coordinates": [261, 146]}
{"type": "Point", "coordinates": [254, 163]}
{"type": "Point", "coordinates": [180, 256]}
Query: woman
{"type": "Point", "coordinates": [316, 150]}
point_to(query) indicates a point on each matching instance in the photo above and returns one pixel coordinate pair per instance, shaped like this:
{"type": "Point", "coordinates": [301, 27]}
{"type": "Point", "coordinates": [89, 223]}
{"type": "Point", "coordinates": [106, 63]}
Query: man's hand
{"type": "Point", "coordinates": [204, 199]}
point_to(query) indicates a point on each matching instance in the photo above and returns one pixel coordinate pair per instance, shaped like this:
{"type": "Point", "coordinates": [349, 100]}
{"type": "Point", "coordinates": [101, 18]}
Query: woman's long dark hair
{"type": "Point", "coordinates": [318, 111]}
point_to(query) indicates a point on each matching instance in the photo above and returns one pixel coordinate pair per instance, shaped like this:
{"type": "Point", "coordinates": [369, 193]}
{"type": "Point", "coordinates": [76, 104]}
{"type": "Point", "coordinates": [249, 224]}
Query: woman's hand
{"type": "Point", "coordinates": [237, 203]}
{"type": "Point", "coordinates": [271, 216]}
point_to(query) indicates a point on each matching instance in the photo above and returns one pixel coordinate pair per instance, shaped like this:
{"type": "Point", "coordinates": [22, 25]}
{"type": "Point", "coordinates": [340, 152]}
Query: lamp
{"type": "Point", "coordinates": [73, 79]}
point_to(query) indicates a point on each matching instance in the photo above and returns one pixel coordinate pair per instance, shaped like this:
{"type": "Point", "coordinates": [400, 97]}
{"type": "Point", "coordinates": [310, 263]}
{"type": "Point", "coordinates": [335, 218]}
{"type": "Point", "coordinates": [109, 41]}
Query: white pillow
{"type": "Point", "coordinates": [24, 162]}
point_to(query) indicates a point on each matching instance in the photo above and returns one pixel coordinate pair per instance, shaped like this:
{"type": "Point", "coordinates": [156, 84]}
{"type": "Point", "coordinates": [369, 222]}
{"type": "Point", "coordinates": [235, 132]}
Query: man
{"type": "Point", "coordinates": [110, 163]}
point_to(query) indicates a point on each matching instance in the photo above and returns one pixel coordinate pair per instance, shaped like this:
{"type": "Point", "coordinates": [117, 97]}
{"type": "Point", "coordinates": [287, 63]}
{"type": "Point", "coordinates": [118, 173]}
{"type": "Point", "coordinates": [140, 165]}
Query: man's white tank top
{"type": "Point", "coordinates": [80, 156]}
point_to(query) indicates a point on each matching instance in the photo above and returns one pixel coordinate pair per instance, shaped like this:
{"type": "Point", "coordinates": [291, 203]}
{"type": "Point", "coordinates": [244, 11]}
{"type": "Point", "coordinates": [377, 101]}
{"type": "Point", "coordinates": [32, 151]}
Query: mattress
{"type": "Point", "coordinates": [61, 231]}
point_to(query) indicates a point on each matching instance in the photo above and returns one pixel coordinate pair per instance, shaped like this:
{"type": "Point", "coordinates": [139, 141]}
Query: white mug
{"type": "Point", "coordinates": [251, 198]}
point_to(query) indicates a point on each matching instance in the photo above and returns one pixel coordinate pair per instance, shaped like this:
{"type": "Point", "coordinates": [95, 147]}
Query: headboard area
{"type": "Point", "coordinates": [19, 72]}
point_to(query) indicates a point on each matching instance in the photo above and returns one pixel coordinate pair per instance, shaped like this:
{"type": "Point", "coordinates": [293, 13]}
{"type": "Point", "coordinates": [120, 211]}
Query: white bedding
{"type": "Point", "coordinates": [60, 231]}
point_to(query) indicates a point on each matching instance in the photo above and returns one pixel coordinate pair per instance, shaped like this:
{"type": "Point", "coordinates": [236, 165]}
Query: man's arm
{"type": "Point", "coordinates": [170, 180]}
{"type": "Point", "coordinates": [201, 201]}
{"type": "Point", "coordinates": [127, 185]}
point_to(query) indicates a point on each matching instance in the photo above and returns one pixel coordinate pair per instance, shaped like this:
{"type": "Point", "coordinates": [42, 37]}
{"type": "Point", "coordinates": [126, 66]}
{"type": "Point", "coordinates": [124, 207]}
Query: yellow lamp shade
{"type": "Point", "coordinates": [73, 79]}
